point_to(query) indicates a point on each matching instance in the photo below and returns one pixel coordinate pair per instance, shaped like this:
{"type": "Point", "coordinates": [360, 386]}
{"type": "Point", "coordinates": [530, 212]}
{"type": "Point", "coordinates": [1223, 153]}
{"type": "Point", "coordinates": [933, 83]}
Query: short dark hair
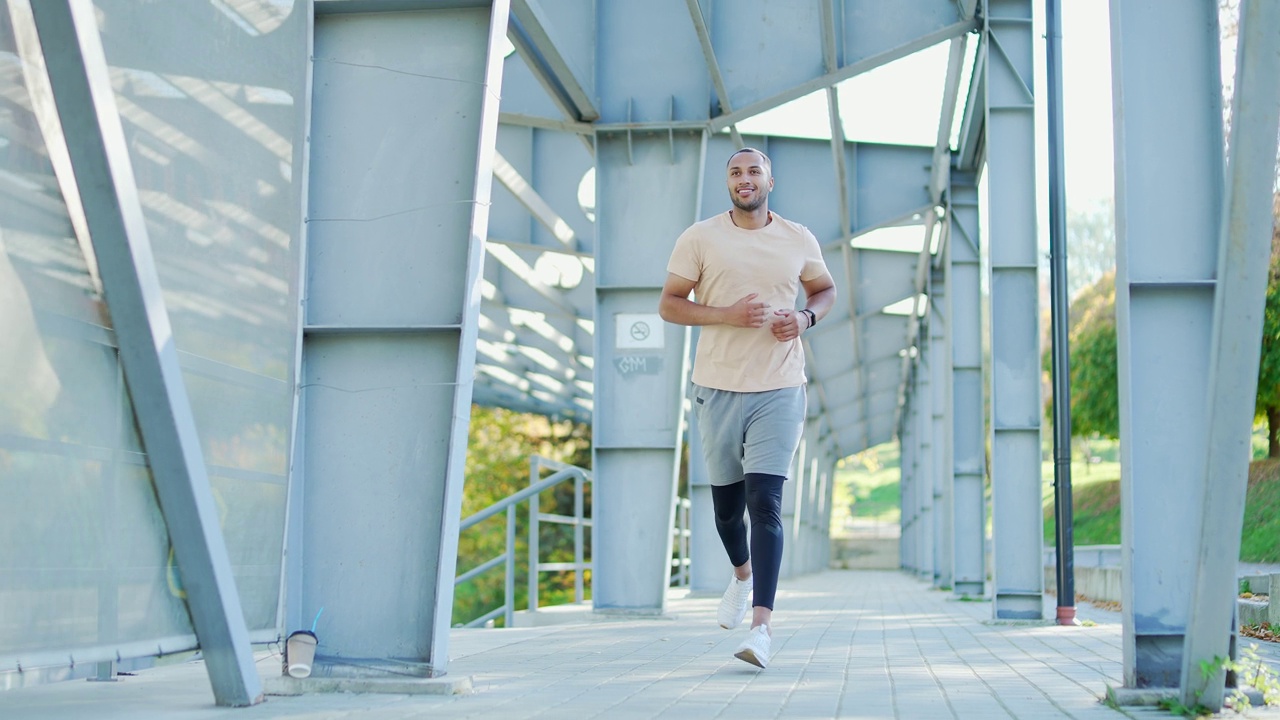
{"type": "Point", "coordinates": [768, 164]}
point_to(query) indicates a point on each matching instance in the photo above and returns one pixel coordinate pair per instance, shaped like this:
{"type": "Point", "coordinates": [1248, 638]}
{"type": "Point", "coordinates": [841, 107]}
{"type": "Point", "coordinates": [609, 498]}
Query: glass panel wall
{"type": "Point", "coordinates": [212, 97]}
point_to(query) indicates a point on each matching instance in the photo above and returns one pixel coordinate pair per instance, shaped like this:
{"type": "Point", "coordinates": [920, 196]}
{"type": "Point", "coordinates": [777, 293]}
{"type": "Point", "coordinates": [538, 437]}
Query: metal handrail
{"type": "Point", "coordinates": [520, 496]}
{"type": "Point", "coordinates": [580, 564]}
{"type": "Point", "coordinates": [563, 473]}
{"type": "Point", "coordinates": [681, 538]}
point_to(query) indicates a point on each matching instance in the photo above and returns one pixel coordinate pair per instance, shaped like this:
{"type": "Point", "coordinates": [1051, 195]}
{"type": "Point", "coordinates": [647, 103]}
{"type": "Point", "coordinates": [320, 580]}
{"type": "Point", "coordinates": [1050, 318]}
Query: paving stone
{"type": "Point", "coordinates": [853, 644]}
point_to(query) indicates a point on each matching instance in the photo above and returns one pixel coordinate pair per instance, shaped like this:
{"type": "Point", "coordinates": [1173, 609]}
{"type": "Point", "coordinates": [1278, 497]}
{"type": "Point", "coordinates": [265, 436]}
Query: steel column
{"type": "Point", "coordinates": [814, 507]}
{"type": "Point", "coordinates": [829, 499]}
{"type": "Point", "coordinates": [940, 366]}
{"type": "Point", "coordinates": [1017, 522]}
{"type": "Point", "coordinates": [640, 373]}
{"type": "Point", "coordinates": [391, 322]}
{"type": "Point", "coordinates": [1239, 302]}
{"type": "Point", "coordinates": [710, 568]}
{"type": "Point", "coordinates": [969, 507]}
{"type": "Point", "coordinates": [906, 487]}
{"type": "Point", "coordinates": [1166, 261]}
{"type": "Point", "coordinates": [794, 512]}
{"type": "Point", "coordinates": [923, 392]}
{"type": "Point", "coordinates": [918, 517]}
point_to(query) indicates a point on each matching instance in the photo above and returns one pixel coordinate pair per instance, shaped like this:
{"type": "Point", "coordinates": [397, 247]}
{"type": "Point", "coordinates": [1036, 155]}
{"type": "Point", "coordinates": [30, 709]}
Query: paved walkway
{"type": "Point", "coordinates": [854, 644]}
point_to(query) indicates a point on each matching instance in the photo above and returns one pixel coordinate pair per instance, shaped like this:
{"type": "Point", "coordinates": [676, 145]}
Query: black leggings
{"type": "Point", "coordinates": [761, 496]}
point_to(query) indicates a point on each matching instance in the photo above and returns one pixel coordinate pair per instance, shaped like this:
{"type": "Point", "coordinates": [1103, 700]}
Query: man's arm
{"type": "Point", "coordinates": [820, 295]}
{"type": "Point", "coordinates": [676, 307]}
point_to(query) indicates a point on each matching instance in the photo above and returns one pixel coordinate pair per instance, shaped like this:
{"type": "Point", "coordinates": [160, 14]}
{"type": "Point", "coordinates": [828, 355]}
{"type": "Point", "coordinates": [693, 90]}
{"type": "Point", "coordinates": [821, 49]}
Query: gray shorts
{"type": "Point", "coordinates": [755, 432]}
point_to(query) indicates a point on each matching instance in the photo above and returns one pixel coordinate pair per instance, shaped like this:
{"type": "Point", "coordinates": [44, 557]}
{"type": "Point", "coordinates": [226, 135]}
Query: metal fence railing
{"type": "Point", "coordinates": [578, 521]}
{"type": "Point", "coordinates": [507, 558]}
{"type": "Point", "coordinates": [680, 541]}
{"type": "Point", "coordinates": [581, 523]}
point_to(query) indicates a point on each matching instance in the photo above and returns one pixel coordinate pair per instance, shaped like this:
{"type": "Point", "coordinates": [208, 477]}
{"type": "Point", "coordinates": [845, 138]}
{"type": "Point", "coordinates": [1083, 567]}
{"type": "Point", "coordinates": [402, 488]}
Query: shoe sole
{"type": "Point", "coordinates": [749, 655]}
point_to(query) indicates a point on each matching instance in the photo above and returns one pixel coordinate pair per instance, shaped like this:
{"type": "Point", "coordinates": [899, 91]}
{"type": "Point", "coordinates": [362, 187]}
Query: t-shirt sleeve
{"type": "Point", "coordinates": [814, 265]}
{"type": "Point", "coordinates": [686, 258]}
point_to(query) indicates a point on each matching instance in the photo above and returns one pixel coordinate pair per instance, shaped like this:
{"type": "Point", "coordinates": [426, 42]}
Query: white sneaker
{"type": "Point", "coordinates": [735, 602]}
{"type": "Point", "coordinates": [755, 649]}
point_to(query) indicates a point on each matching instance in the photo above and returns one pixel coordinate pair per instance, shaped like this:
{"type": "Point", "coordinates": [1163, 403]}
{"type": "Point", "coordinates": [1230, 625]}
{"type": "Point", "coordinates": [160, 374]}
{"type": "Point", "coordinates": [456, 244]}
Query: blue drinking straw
{"type": "Point", "coordinates": [313, 622]}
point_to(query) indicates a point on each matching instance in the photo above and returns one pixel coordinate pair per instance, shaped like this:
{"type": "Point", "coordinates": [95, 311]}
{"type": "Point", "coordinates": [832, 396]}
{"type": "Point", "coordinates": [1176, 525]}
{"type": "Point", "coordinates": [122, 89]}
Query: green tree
{"type": "Point", "coordinates": [1095, 406]}
{"type": "Point", "coordinates": [500, 444]}
{"type": "Point", "coordinates": [1094, 385]}
{"type": "Point", "coordinates": [1268, 405]}
{"type": "Point", "coordinates": [1268, 402]}
{"type": "Point", "coordinates": [1092, 335]}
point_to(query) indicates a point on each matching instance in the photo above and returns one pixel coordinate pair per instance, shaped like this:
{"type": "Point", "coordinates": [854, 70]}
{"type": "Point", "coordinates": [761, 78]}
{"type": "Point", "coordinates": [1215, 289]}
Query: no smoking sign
{"type": "Point", "coordinates": [638, 331]}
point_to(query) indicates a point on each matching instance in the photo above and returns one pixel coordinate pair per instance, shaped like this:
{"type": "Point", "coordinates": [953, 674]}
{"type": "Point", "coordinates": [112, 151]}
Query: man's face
{"type": "Point", "coordinates": [749, 181]}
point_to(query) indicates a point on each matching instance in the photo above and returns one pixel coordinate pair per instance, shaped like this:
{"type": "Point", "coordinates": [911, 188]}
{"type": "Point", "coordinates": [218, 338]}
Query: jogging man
{"type": "Point", "coordinates": [747, 267]}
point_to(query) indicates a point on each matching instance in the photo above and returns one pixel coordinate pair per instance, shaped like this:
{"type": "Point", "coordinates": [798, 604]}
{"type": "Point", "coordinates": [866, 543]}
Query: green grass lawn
{"type": "Point", "coordinates": [1260, 541]}
{"type": "Point", "coordinates": [1095, 501]}
{"type": "Point", "coordinates": [867, 487]}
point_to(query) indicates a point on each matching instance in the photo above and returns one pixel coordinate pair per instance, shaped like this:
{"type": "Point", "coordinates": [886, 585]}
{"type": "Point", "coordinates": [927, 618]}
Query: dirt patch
{"type": "Point", "coordinates": [1264, 471]}
{"type": "Point", "coordinates": [1096, 498]}
{"type": "Point", "coordinates": [1108, 605]}
{"type": "Point", "coordinates": [1260, 632]}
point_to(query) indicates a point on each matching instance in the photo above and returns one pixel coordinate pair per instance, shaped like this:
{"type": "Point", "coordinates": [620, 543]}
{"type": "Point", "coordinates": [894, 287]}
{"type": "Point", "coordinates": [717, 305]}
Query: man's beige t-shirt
{"type": "Point", "coordinates": [726, 263]}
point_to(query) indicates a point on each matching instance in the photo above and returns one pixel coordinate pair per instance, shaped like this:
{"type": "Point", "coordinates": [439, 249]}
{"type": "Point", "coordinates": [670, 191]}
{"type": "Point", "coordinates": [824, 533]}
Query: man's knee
{"type": "Point", "coordinates": [764, 499]}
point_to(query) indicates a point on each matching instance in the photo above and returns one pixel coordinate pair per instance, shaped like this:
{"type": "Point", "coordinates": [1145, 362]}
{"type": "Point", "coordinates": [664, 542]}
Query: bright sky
{"type": "Point", "coordinates": [912, 117]}
{"type": "Point", "coordinates": [1086, 100]}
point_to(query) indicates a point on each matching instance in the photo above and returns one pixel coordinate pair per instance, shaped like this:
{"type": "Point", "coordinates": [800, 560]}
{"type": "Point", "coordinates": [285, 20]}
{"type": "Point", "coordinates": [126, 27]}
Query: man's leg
{"type": "Point", "coordinates": [775, 421]}
{"type": "Point", "coordinates": [719, 414]}
{"type": "Point", "coordinates": [764, 503]}
{"type": "Point", "coordinates": [729, 503]}
{"type": "Point", "coordinates": [763, 497]}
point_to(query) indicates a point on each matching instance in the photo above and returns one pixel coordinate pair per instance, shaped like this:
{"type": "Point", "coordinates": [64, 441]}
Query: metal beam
{"type": "Point", "coordinates": [940, 177]}
{"type": "Point", "coordinates": [824, 405]}
{"type": "Point", "coordinates": [969, 148]}
{"type": "Point", "coordinates": [534, 121]}
{"type": "Point", "coordinates": [531, 32]}
{"type": "Point", "coordinates": [529, 247]}
{"type": "Point", "coordinates": [99, 155]}
{"type": "Point", "coordinates": [494, 332]}
{"type": "Point", "coordinates": [55, 140]}
{"type": "Point", "coordinates": [512, 180]}
{"type": "Point", "coordinates": [831, 61]}
{"type": "Point", "coordinates": [713, 67]}
{"type": "Point", "coordinates": [831, 78]}
{"type": "Point", "coordinates": [1244, 248]}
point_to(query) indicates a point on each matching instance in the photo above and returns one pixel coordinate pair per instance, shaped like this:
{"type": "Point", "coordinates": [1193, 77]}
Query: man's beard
{"type": "Point", "coordinates": [749, 206]}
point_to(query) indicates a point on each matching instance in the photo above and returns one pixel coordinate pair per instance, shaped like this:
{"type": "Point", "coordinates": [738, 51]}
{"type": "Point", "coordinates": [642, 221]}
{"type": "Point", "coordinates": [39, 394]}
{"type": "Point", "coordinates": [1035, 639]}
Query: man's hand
{"type": "Point", "coordinates": [788, 324]}
{"type": "Point", "coordinates": [746, 313]}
